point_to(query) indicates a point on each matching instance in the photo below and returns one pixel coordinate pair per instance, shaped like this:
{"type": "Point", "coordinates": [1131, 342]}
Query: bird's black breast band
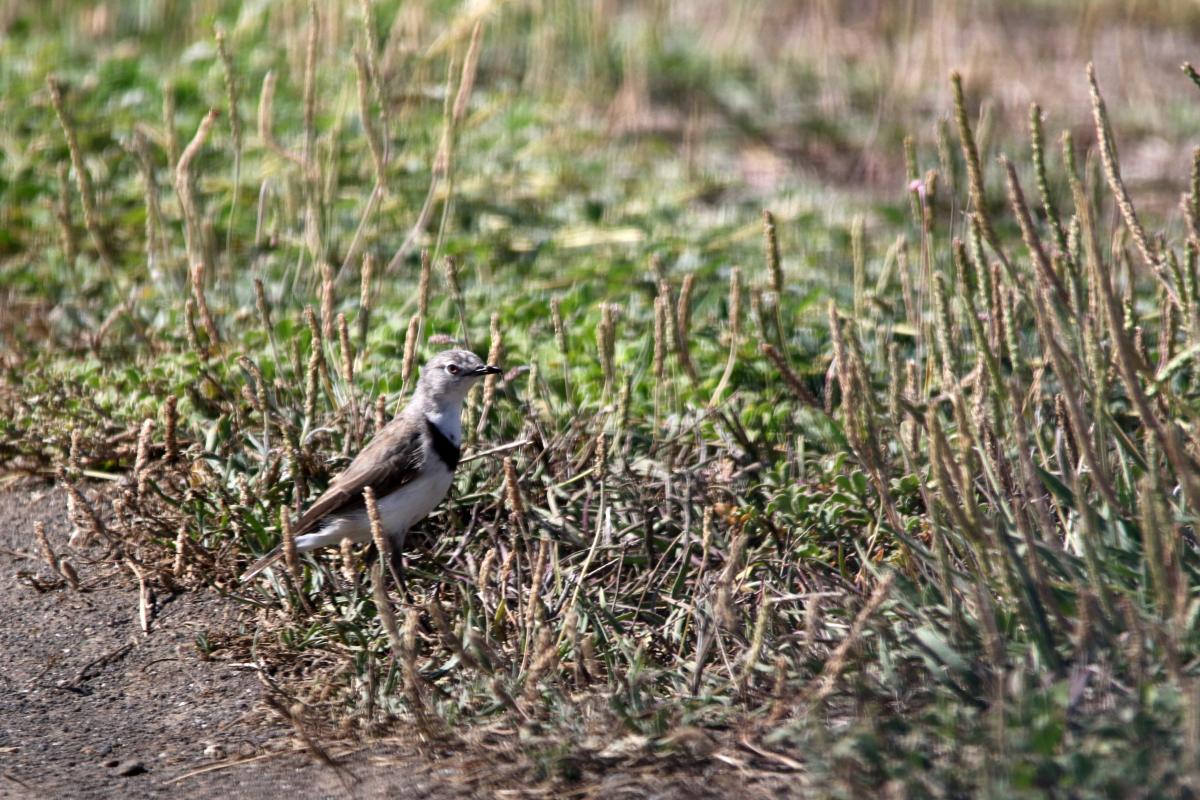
{"type": "Point", "coordinates": [447, 450]}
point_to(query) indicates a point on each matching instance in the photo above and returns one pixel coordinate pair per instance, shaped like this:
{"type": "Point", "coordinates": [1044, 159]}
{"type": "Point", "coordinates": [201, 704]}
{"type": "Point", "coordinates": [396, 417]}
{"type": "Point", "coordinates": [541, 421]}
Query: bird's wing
{"type": "Point", "coordinates": [393, 458]}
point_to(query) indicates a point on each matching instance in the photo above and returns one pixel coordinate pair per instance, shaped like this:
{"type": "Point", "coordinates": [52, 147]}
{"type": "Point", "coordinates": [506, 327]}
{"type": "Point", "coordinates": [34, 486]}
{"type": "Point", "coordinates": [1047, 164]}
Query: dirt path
{"type": "Point", "coordinates": [90, 707]}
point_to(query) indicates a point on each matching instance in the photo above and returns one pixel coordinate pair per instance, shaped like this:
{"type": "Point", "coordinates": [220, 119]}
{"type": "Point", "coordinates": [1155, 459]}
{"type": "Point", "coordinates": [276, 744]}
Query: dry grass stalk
{"type": "Point", "coordinates": [178, 565]}
{"type": "Point", "coordinates": [383, 604]}
{"type": "Point", "coordinates": [974, 170]}
{"type": "Point", "coordinates": [349, 563]}
{"type": "Point", "coordinates": [170, 130]}
{"type": "Point", "coordinates": [1029, 233]}
{"type": "Point", "coordinates": [601, 471]}
{"type": "Point", "coordinates": [412, 678]}
{"type": "Point", "coordinates": [379, 152]}
{"type": "Point", "coordinates": [683, 323]}
{"type": "Point", "coordinates": [570, 628]}
{"type": "Point", "coordinates": [327, 301]}
{"type": "Point", "coordinates": [142, 459]}
{"type": "Point", "coordinates": [291, 558]}
{"type": "Point", "coordinates": [47, 552]}
{"type": "Point", "coordinates": [591, 661]}
{"type": "Point", "coordinates": [485, 571]}
{"type": "Point", "coordinates": [196, 276]}
{"type": "Point", "coordinates": [85, 521]}
{"type": "Point", "coordinates": [426, 278]}
{"type": "Point", "coordinates": [266, 134]}
{"type": "Point", "coordinates": [467, 83]}
{"type": "Point", "coordinates": [793, 381]}
{"type": "Point", "coordinates": [506, 570]}
{"type": "Point", "coordinates": [154, 225]}
{"type": "Point", "coordinates": [410, 349]}
{"type": "Point", "coordinates": [860, 413]}
{"type": "Point", "coordinates": [231, 89]}
{"type": "Point", "coordinates": [1112, 171]}
{"type": "Point", "coordinates": [440, 171]}
{"type": "Point", "coordinates": [294, 715]}
{"type": "Point", "coordinates": [858, 258]}
{"type": "Point", "coordinates": [266, 102]}
{"type": "Point", "coordinates": [735, 330]}
{"type": "Point", "coordinates": [454, 283]}
{"type": "Point", "coordinates": [543, 663]}
{"type": "Point", "coordinates": [771, 247]}
{"type": "Point", "coordinates": [723, 608]}
{"type": "Point", "coordinates": [1126, 355]}
{"type": "Point", "coordinates": [370, 46]}
{"type": "Point", "coordinates": [62, 215]}
{"type": "Point", "coordinates": [560, 331]}
{"type": "Point", "coordinates": [374, 140]}
{"type": "Point", "coordinates": [296, 469]}
{"type": "Point", "coordinates": [664, 294]}
{"type": "Point", "coordinates": [944, 327]}
{"type": "Point", "coordinates": [501, 694]}
{"type": "Point", "coordinates": [383, 544]}
{"type": "Point", "coordinates": [536, 578]}
{"type": "Point", "coordinates": [946, 163]}
{"type": "Point", "coordinates": [495, 354]}
{"type": "Point", "coordinates": [83, 178]}
{"type": "Point", "coordinates": [512, 490]}
{"type": "Point", "coordinates": [67, 570]}
{"type": "Point", "coordinates": [364, 298]}
{"type": "Point", "coordinates": [837, 660]}
{"type": "Point", "coordinates": [754, 651]}
{"type": "Point", "coordinates": [660, 337]}
{"type": "Point", "coordinates": [264, 315]}
{"type": "Point", "coordinates": [310, 83]}
{"type": "Point", "coordinates": [185, 188]}
{"type": "Point", "coordinates": [912, 173]}
{"type": "Point", "coordinates": [1037, 145]}
{"type": "Point", "coordinates": [450, 639]}
{"type": "Point", "coordinates": [145, 612]}
{"type": "Point", "coordinates": [312, 376]}
{"type": "Point", "coordinates": [347, 350]}
{"type": "Point", "coordinates": [193, 334]}
{"type": "Point", "coordinates": [1191, 201]}
{"type": "Point", "coordinates": [606, 344]}
{"type": "Point", "coordinates": [380, 412]}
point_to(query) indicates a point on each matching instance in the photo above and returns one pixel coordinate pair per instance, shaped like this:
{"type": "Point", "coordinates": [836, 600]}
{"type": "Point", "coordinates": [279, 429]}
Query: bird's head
{"type": "Point", "coordinates": [448, 375]}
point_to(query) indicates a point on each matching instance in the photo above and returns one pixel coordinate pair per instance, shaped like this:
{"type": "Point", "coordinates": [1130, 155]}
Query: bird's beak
{"type": "Point", "coordinates": [488, 369]}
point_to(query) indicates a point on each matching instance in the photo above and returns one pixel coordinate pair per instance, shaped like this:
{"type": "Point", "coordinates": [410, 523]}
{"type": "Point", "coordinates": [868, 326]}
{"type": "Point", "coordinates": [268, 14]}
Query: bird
{"type": "Point", "coordinates": [409, 464]}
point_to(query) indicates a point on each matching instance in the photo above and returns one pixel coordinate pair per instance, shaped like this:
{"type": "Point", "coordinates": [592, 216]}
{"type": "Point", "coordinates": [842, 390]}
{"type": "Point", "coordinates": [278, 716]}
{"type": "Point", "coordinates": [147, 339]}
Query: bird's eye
{"type": "Point", "coordinates": [452, 369]}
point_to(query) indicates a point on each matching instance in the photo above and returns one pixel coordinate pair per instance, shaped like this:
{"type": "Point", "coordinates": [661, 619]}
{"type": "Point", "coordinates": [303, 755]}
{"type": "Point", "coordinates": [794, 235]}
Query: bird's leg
{"type": "Point", "coordinates": [397, 568]}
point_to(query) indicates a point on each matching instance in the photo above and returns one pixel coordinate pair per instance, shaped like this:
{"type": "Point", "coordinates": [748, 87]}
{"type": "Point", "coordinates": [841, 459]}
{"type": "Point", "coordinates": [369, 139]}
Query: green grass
{"type": "Point", "coordinates": [951, 554]}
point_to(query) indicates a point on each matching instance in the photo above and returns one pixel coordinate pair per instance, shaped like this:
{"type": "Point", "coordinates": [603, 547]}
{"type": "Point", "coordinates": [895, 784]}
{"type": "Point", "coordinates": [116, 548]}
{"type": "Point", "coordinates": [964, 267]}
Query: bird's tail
{"type": "Point", "coordinates": [264, 562]}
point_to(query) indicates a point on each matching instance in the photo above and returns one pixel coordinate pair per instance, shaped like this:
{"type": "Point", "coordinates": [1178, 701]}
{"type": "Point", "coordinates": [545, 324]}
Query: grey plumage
{"type": "Point", "coordinates": [409, 464]}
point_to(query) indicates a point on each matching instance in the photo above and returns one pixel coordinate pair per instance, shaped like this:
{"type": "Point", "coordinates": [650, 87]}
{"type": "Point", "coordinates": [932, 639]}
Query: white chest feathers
{"type": "Point", "coordinates": [414, 501]}
{"type": "Point", "coordinates": [448, 420]}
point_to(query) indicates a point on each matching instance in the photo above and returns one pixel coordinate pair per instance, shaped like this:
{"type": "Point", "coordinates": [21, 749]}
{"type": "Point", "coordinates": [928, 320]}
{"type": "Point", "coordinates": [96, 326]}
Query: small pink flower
{"type": "Point", "coordinates": [917, 185]}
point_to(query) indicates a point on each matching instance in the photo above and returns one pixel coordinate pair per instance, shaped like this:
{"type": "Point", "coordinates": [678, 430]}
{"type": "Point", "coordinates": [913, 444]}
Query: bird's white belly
{"type": "Point", "coordinates": [398, 511]}
{"type": "Point", "coordinates": [411, 503]}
